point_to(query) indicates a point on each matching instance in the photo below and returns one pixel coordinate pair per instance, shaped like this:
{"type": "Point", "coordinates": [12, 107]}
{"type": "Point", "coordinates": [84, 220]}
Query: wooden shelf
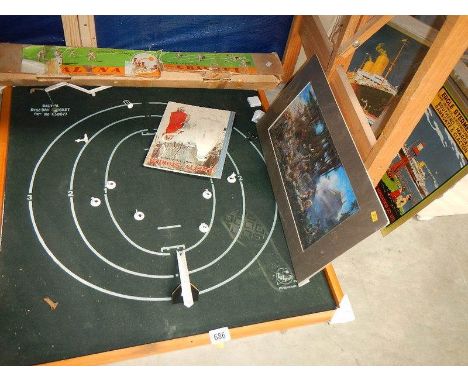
{"type": "Point", "coordinates": [445, 49]}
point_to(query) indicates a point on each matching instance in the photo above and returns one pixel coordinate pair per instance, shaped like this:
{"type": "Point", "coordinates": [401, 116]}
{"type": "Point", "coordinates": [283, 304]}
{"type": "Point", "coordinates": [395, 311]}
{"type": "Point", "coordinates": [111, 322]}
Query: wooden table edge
{"type": "Point", "coordinates": [5, 113]}
{"type": "Point", "coordinates": [191, 341]}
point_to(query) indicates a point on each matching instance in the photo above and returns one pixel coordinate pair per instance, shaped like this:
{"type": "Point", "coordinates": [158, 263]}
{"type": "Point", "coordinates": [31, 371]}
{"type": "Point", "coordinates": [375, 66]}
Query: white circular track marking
{"type": "Point", "coordinates": [46, 248]}
{"type": "Point", "coordinates": [75, 219]}
{"type": "Point", "coordinates": [117, 225]}
{"type": "Point", "coordinates": [91, 285]}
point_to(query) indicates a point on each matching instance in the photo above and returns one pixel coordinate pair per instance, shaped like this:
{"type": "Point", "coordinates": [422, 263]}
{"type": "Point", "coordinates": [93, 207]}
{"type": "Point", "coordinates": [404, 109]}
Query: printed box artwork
{"type": "Point", "coordinates": [42, 59]}
{"type": "Point", "coordinates": [192, 140]}
{"type": "Point", "coordinates": [432, 159]}
{"type": "Point", "coordinates": [319, 191]}
{"type": "Point", "coordinates": [382, 67]}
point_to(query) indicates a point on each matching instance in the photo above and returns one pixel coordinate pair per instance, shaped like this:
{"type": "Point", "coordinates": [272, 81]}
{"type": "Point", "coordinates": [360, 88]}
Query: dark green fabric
{"type": "Point", "coordinates": [88, 321]}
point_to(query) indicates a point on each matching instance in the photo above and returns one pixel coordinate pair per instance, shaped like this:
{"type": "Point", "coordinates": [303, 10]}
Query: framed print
{"type": "Point", "coordinates": [325, 198]}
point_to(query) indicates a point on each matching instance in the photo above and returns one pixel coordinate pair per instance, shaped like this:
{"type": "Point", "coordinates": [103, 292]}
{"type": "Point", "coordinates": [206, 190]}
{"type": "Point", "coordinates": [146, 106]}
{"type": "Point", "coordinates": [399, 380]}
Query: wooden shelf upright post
{"type": "Point", "coordinates": [79, 31]}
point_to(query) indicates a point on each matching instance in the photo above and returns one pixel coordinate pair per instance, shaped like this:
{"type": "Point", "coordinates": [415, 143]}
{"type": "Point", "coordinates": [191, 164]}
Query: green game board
{"type": "Point", "coordinates": [112, 275]}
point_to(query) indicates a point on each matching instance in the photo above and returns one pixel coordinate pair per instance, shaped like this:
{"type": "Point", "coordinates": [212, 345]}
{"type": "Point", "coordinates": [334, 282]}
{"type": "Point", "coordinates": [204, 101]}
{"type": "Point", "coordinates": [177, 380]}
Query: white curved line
{"type": "Point", "coordinates": [31, 184]}
{"type": "Point", "coordinates": [114, 220]}
{"type": "Point", "coordinates": [122, 232]}
{"type": "Point", "coordinates": [75, 218]}
{"type": "Point", "coordinates": [261, 249]}
{"type": "Point", "coordinates": [255, 147]}
{"type": "Point", "coordinates": [213, 210]}
{"type": "Point", "coordinates": [251, 261]}
{"type": "Point", "coordinates": [109, 208]}
{"type": "Point", "coordinates": [240, 226]}
{"type": "Point", "coordinates": [81, 280]}
{"type": "Point", "coordinates": [72, 178]}
{"type": "Point", "coordinates": [41, 240]}
{"type": "Point", "coordinates": [88, 244]}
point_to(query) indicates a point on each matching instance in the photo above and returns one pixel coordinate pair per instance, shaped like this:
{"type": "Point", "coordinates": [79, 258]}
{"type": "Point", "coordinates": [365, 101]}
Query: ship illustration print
{"type": "Point", "coordinates": [370, 83]}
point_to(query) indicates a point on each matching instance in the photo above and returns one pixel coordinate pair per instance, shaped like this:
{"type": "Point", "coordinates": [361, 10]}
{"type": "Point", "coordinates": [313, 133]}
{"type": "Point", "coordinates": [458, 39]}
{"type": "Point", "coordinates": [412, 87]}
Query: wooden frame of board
{"type": "Point", "coordinates": [178, 343]}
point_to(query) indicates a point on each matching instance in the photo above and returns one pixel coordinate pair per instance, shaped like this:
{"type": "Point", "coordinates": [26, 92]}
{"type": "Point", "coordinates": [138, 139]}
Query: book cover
{"type": "Point", "coordinates": [191, 140]}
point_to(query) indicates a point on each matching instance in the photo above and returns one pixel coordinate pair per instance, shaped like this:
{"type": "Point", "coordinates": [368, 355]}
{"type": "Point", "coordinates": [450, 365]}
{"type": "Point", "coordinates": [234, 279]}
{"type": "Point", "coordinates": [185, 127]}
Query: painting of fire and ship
{"type": "Point", "coordinates": [318, 188]}
{"type": "Point", "coordinates": [381, 68]}
{"type": "Point", "coordinates": [435, 151]}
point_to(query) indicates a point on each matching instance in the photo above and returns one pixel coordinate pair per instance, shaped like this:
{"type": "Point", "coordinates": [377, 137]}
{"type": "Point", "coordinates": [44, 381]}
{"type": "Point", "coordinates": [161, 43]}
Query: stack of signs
{"type": "Point", "coordinates": [435, 155]}
{"type": "Point", "coordinates": [191, 140]}
{"type": "Point", "coordinates": [433, 158]}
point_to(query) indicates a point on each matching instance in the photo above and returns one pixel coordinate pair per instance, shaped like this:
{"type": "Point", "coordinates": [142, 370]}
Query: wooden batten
{"type": "Point", "coordinates": [315, 39]}
{"type": "Point", "coordinates": [79, 31]}
{"type": "Point", "coordinates": [335, 286]}
{"type": "Point", "coordinates": [87, 31]}
{"type": "Point", "coordinates": [346, 30]}
{"type": "Point", "coordinates": [71, 30]}
{"type": "Point", "coordinates": [292, 50]}
{"type": "Point", "coordinates": [168, 80]}
{"type": "Point", "coordinates": [414, 28]}
{"type": "Point", "coordinates": [365, 31]}
{"type": "Point", "coordinates": [447, 48]}
{"type": "Point", "coordinates": [352, 112]}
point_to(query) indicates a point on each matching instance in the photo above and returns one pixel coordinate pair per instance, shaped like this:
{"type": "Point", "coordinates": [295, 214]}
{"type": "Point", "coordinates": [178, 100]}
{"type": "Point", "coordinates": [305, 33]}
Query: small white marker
{"type": "Point", "coordinates": [85, 139]}
{"type": "Point", "coordinates": [169, 226]}
{"type": "Point", "coordinates": [128, 103]}
{"type": "Point", "coordinates": [138, 215]}
{"type": "Point", "coordinates": [95, 202]}
{"type": "Point", "coordinates": [258, 114]}
{"type": "Point", "coordinates": [184, 279]}
{"type": "Point", "coordinates": [207, 194]}
{"type": "Point", "coordinates": [111, 184]}
{"type": "Point", "coordinates": [232, 178]}
{"type": "Point", "coordinates": [204, 227]}
{"type": "Point", "coordinates": [254, 101]}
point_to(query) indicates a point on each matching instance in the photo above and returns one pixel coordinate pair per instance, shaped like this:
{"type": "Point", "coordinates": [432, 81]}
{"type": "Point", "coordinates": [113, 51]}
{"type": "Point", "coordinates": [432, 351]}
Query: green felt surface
{"type": "Point", "coordinates": [103, 267]}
